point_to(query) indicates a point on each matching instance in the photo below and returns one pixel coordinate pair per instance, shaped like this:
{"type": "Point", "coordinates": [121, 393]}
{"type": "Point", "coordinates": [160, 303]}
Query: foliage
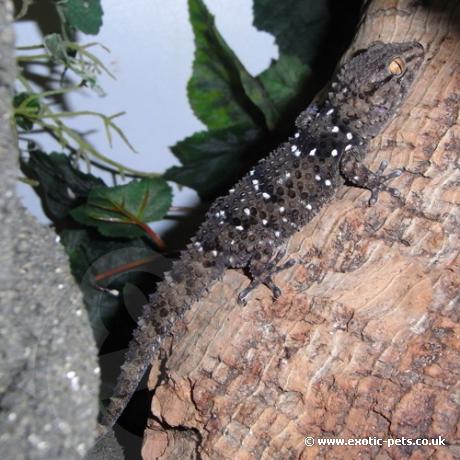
{"type": "Point", "coordinates": [298, 26]}
{"type": "Point", "coordinates": [60, 185]}
{"type": "Point", "coordinates": [239, 110]}
{"type": "Point", "coordinates": [84, 15]}
{"type": "Point", "coordinates": [121, 211]}
{"type": "Point", "coordinates": [245, 117]}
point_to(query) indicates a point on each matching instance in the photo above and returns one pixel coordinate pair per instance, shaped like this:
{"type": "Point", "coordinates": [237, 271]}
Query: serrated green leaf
{"type": "Point", "coordinates": [284, 80]}
{"type": "Point", "coordinates": [28, 103]}
{"type": "Point", "coordinates": [84, 15]}
{"type": "Point", "coordinates": [213, 160]}
{"type": "Point", "coordinates": [61, 186]}
{"type": "Point", "coordinates": [298, 25]}
{"type": "Point", "coordinates": [221, 91]}
{"type": "Point", "coordinates": [123, 210]}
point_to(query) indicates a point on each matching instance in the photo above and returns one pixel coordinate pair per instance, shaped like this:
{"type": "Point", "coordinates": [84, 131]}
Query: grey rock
{"type": "Point", "coordinates": [49, 376]}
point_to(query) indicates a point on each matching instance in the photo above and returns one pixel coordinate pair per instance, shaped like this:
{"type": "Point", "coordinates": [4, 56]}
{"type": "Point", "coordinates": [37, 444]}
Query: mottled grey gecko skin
{"type": "Point", "coordinates": [249, 227]}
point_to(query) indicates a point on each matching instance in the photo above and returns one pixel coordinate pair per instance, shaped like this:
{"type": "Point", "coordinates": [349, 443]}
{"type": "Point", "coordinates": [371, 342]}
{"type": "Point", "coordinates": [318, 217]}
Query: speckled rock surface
{"type": "Point", "coordinates": [49, 377]}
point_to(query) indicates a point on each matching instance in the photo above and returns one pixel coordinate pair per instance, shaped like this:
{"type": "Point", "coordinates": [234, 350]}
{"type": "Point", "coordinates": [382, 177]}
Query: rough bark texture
{"type": "Point", "coordinates": [365, 340]}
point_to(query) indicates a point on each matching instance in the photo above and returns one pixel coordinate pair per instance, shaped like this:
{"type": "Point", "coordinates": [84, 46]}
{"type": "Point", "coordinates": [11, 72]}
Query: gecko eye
{"type": "Point", "coordinates": [397, 66]}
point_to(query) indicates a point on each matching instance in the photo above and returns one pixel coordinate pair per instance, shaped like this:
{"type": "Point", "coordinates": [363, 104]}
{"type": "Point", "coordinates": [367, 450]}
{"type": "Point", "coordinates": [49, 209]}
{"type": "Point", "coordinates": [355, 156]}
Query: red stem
{"type": "Point", "coordinates": [124, 268]}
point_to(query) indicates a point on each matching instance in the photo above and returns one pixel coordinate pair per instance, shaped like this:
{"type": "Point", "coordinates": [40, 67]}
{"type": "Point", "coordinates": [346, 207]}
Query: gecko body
{"type": "Point", "coordinates": [249, 227]}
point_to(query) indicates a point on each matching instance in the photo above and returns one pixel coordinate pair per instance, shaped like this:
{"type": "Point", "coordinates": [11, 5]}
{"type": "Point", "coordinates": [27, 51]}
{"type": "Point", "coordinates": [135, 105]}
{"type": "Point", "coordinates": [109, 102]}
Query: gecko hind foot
{"type": "Point", "coordinates": [267, 280]}
{"type": "Point", "coordinates": [379, 180]}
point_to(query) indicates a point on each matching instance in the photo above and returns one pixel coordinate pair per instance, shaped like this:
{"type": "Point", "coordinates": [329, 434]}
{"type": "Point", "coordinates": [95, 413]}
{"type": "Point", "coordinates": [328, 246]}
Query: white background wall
{"type": "Point", "coordinates": [152, 49]}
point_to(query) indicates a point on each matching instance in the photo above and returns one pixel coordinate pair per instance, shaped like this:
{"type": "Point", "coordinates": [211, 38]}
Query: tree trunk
{"type": "Point", "coordinates": [365, 340]}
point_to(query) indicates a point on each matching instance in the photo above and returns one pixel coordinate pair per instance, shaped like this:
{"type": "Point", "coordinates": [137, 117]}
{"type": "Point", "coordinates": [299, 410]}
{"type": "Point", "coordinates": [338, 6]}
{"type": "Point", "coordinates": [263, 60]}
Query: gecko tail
{"type": "Point", "coordinates": [136, 363]}
{"type": "Point", "coordinates": [185, 283]}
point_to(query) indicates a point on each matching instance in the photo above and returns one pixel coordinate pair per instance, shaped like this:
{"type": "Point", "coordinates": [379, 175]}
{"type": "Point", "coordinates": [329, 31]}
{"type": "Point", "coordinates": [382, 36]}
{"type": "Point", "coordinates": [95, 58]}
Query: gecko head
{"type": "Point", "coordinates": [372, 85]}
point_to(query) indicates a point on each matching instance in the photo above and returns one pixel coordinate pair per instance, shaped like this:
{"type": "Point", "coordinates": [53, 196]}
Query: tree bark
{"type": "Point", "coordinates": [365, 340]}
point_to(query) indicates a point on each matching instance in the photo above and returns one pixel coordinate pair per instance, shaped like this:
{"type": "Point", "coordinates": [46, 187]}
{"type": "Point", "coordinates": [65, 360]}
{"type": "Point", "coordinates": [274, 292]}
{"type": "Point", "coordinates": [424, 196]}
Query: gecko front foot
{"type": "Point", "coordinates": [378, 180]}
{"type": "Point", "coordinates": [354, 171]}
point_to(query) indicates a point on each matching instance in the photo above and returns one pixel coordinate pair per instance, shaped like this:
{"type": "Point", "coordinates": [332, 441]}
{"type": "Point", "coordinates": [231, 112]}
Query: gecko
{"type": "Point", "coordinates": [250, 226]}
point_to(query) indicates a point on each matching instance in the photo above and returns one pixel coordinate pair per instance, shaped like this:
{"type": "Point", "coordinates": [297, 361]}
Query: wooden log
{"type": "Point", "coordinates": [365, 341]}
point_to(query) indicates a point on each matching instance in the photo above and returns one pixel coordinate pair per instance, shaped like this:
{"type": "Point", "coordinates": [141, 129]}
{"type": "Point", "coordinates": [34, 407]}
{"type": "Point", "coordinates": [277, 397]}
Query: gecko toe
{"type": "Point", "coordinates": [242, 296]}
{"type": "Point", "coordinates": [382, 167]}
{"type": "Point", "coordinates": [276, 291]}
{"type": "Point", "coordinates": [393, 191]}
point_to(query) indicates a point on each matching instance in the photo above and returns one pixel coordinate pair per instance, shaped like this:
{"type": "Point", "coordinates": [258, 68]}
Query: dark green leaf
{"type": "Point", "coordinates": [27, 103]}
{"type": "Point", "coordinates": [84, 15]}
{"type": "Point", "coordinates": [61, 185]}
{"type": "Point", "coordinates": [284, 79]}
{"type": "Point", "coordinates": [221, 91]}
{"type": "Point", "coordinates": [298, 25]}
{"type": "Point", "coordinates": [121, 211]}
{"type": "Point", "coordinates": [212, 160]}
{"type": "Point", "coordinates": [92, 255]}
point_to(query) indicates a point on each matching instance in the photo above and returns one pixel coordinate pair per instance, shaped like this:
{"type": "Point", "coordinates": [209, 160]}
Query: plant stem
{"type": "Point", "coordinates": [125, 267]}
{"type": "Point", "coordinates": [84, 145]}
{"type": "Point", "coordinates": [153, 236]}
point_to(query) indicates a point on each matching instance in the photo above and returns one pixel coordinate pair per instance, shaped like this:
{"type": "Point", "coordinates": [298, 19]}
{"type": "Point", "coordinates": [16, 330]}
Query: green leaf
{"type": "Point", "coordinates": [284, 80]}
{"type": "Point", "coordinates": [213, 160]}
{"type": "Point", "coordinates": [298, 25]}
{"type": "Point", "coordinates": [123, 210]}
{"type": "Point", "coordinates": [84, 15]}
{"type": "Point", "coordinates": [56, 47]}
{"type": "Point", "coordinates": [221, 91]}
{"type": "Point", "coordinates": [91, 255]}
{"type": "Point", "coordinates": [61, 186]}
{"type": "Point", "coordinates": [26, 103]}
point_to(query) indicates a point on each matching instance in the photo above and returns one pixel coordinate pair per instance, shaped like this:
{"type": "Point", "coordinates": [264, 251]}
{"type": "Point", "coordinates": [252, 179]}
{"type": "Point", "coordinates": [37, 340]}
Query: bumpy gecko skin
{"type": "Point", "coordinates": [249, 227]}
